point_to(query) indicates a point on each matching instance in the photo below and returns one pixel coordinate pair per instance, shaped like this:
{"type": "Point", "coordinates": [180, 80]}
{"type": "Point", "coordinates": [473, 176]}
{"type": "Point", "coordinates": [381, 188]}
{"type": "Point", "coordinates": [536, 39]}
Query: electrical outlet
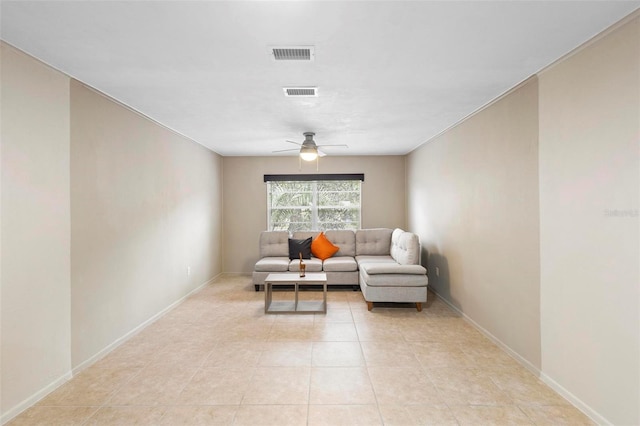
{"type": "Point", "coordinates": [437, 271]}
{"type": "Point", "coordinates": [188, 271]}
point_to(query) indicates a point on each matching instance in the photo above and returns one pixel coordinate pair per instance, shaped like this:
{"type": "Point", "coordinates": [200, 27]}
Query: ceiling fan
{"type": "Point", "coordinates": [308, 148]}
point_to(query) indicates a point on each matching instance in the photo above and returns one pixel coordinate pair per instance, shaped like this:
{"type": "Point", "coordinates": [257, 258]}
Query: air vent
{"type": "Point", "coordinates": [301, 92]}
{"type": "Point", "coordinates": [292, 53]}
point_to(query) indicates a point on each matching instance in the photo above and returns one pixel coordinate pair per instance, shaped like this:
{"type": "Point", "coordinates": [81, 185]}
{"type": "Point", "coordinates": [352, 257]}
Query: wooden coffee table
{"type": "Point", "coordinates": [296, 307]}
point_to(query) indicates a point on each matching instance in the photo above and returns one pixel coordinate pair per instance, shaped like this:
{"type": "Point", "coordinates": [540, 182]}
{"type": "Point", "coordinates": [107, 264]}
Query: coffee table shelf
{"type": "Point", "coordinates": [296, 306]}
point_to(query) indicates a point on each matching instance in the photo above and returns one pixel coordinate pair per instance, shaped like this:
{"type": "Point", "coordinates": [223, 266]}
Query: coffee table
{"type": "Point", "coordinates": [296, 307]}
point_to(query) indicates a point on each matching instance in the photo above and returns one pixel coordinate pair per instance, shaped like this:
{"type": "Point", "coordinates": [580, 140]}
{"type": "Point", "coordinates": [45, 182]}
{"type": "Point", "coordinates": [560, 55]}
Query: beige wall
{"type": "Point", "coordinates": [473, 200]}
{"type": "Point", "coordinates": [564, 152]}
{"type": "Point", "coordinates": [107, 219]}
{"type": "Point", "coordinates": [146, 207]}
{"type": "Point", "coordinates": [245, 197]}
{"type": "Point", "coordinates": [35, 230]}
{"type": "Point", "coordinates": [590, 258]}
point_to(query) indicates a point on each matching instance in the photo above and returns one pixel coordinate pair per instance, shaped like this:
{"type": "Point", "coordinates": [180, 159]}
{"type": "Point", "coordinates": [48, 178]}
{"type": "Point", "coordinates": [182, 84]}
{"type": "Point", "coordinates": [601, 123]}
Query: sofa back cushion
{"type": "Point", "coordinates": [303, 235]}
{"type": "Point", "coordinates": [345, 239]}
{"type": "Point", "coordinates": [405, 247]}
{"type": "Point", "coordinates": [375, 241]}
{"type": "Point", "coordinates": [274, 244]}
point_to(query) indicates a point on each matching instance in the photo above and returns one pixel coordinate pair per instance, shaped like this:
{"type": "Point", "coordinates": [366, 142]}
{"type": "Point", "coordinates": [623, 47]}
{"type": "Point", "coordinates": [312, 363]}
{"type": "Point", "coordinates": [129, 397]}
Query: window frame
{"type": "Point", "coordinates": [314, 208]}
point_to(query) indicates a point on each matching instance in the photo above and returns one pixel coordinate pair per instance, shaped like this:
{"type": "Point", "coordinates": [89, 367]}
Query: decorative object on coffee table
{"type": "Point", "coordinates": [302, 267]}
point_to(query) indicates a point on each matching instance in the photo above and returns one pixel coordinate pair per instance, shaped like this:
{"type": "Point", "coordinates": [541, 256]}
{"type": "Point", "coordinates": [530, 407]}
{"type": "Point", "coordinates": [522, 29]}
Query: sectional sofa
{"type": "Point", "coordinates": [384, 263]}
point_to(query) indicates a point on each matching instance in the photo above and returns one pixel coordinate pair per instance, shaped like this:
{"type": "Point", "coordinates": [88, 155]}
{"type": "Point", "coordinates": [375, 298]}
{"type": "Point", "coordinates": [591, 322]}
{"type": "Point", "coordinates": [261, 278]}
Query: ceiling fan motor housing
{"type": "Point", "coordinates": [308, 139]}
{"type": "Point", "coordinates": [309, 149]}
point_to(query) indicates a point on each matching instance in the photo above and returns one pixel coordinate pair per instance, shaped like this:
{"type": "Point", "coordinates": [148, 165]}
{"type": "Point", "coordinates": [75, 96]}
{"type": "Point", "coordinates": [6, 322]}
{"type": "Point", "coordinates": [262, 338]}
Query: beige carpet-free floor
{"type": "Point", "coordinates": [217, 359]}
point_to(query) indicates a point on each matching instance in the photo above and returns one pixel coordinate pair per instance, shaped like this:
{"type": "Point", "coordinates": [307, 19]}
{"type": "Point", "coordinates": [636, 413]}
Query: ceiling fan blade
{"type": "Point", "coordinates": [296, 143]}
{"type": "Point", "coordinates": [340, 145]}
{"type": "Point", "coordinates": [285, 150]}
{"type": "Point", "coordinates": [321, 154]}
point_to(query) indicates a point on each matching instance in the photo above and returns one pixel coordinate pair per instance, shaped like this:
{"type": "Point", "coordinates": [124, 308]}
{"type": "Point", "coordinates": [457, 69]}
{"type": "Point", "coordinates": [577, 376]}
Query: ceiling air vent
{"type": "Point", "coordinates": [292, 53]}
{"type": "Point", "coordinates": [301, 92]}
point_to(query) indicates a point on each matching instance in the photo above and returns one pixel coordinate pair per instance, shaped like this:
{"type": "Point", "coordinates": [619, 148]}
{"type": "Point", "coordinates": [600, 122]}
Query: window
{"type": "Point", "coordinates": [326, 202]}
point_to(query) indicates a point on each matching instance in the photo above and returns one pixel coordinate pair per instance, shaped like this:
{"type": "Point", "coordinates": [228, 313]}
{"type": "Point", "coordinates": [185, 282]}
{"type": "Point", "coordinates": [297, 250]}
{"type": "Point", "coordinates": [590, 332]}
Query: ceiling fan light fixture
{"type": "Point", "coordinates": [308, 153]}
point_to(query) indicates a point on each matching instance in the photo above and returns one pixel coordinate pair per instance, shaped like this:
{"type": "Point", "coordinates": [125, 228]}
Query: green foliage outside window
{"type": "Point", "coordinates": [314, 205]}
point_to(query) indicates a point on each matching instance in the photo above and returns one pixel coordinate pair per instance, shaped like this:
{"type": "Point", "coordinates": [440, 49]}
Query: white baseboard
{"type": "Point", "coordinates": [87, 363]}
{"type": "Point", "coordinates": [14, 411]}
{"type": "Point", "coordinates": [579, 404]}
{"type": "Point", "coordinates": [33, 399]}
{"type": "Point", "coordinates": [525, 363]}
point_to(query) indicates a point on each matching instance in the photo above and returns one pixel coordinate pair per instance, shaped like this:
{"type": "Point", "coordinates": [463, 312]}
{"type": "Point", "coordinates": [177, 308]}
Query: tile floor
{"type": "Point", "coordinates": [217, 359]}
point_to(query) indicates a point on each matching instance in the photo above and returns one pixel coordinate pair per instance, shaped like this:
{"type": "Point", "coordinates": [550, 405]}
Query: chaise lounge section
{"type": "Point", "coordinates": [396, 277]}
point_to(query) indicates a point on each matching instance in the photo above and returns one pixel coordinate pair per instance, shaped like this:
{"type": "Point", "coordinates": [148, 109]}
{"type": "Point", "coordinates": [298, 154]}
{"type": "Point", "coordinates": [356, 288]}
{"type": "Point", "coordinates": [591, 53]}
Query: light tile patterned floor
{"type": "Point", "coordinates": [217, 359]}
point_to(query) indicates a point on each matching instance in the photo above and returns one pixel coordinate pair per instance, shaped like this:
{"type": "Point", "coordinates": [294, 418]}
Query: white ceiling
{"type": "Point", "coordinates": [390, 74]}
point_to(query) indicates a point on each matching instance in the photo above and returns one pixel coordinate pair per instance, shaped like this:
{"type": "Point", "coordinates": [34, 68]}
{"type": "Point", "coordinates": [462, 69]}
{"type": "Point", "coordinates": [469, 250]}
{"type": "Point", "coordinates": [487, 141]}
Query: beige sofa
{"type": "Point", "coordinates": [341, 268]}
{"type": "Point", "coordinates": [383, 263]}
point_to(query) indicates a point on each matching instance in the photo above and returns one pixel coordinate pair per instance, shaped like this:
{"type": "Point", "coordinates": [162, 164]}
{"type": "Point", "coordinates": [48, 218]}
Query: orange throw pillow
{"type": "Point", "coordinates": [322, 248]}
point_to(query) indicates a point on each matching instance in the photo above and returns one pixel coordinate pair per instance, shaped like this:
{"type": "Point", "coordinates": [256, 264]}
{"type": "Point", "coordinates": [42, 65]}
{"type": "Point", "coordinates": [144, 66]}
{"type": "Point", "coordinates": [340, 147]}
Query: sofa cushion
{"type": "Point", "coordinates": [375, 241]}
{"type": "Point", "coordinates": [393, 268]}
{"type": "Point", "coordinates": [322, 248]}
{"type": "Point", "coordinates": [274, 244]}
{"type": "Point", "coordinates": [272, 264]}
{"type": "Point", "coordinates": [298, 247]}
{"type": "Point", "coordinates": [303, 235]}
{"type": "Point", "coordinates": [405, 247]}
{"type": "Point", "coordinates": [375, 259]}
{"type": "Point", "coordinates": [345, 239]}
{"type": "Point", "coordinates": [312, 265]}
{"type": "Point", "coordinates": [392, 280]}
{"type": "Point", "coordinates": [340, 264]}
